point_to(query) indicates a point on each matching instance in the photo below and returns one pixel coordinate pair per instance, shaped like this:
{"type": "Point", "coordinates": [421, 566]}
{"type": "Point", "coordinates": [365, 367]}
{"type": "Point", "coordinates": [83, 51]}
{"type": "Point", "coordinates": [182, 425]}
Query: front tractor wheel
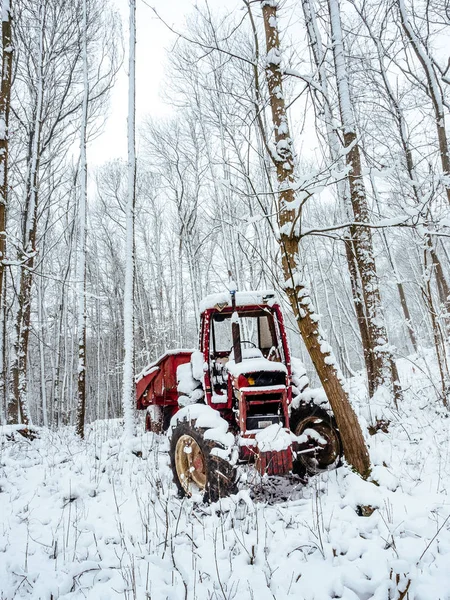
{"type": "Point", "coordinates": [195, 467]}
{"type": "Point", "coordinates": [324, 457]}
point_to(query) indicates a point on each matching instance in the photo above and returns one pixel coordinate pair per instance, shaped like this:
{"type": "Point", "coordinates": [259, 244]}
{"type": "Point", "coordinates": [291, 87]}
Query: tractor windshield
{"type": "Point", "coordinates": [259, 338]}
{"type": "Point", "coordinates": [257, 331]}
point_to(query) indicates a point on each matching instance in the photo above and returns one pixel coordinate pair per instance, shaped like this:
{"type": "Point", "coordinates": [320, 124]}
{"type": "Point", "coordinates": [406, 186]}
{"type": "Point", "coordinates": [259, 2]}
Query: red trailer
{"type": "Point", "coordinates": [156, 387]}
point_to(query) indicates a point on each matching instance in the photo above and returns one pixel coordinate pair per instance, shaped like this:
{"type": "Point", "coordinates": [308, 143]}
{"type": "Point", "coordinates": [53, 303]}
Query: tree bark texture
{"type": "Point", "coordinates": [354, 445]}
{"type": "Point", "coordinates": [381, 361]}
{"type": "Point", "coordinates": [5, 102]}
{"type": "Point", "coordinates": [336, 155]}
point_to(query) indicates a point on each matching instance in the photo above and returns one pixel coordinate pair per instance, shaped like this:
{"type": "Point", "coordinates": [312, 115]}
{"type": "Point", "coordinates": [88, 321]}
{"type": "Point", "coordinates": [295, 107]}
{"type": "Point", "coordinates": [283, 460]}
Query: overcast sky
{"type": "Point", "coordinates": [154, 40]}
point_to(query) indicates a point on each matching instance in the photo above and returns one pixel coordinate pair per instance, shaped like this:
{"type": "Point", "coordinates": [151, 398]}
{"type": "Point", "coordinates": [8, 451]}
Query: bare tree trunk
{"type": "Point", "coordinates": [81, 262]}
{"type": "Point", "coordinates": [434, 91]}
{"type": "Point", "coordinates": [42, 329]}
{"type": "Point", "coordinates": [57, 403]}
{"type": "Point", "coordinates": [361, 236]}
{"type": "Point", "coordinates": [441, 283]}
{"type": "Point", "coordinates": [400, 120]}
{"type": "Point", "coordinates": [358, 302]}
{"type": "Point", "coordinates": [5, 101]}
{"type": "Point", "coordinates": [19, 368]}
{"type": "Point", "coordinates": [335, 148]}
{"type": "Point", "coordinates": [22, 326]}
{"type": "Point", "coordinates": [3, 363]}
{"type": "Point", "coordinates": [128, 395]}
{"type": "Point", "coordinates": [354, 446]}
{"type": "Point", "coordinates": [439, 345]}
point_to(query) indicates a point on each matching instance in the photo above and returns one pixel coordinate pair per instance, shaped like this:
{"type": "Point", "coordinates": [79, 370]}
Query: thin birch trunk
{"type": "Point", "coordinates": [128, 396]}
{"type": "Point", "coordinates": [307, 320]}
{"type": "Point", "coordinates": [57, 403]}
{"type": "Point", "coordinates": [81, 259]}
{"type": "Point", "coordinates": [5, 102]}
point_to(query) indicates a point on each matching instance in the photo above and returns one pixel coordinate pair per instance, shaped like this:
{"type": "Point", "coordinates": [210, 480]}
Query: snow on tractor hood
{"type": "Point", "coordinates": [254, 365]}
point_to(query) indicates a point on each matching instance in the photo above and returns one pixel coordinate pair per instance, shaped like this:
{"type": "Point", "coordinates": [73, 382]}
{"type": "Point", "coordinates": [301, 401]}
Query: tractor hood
{"type": "Point", "coordinates": [254, 365]}
{"type": "Point", "coordinates": [257, 372]}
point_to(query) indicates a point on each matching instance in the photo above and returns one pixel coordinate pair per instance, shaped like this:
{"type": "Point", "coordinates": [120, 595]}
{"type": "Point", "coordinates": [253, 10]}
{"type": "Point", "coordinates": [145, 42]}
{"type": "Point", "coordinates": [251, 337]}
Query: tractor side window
{"type": "Point", "coordinates": [277, 335]}
{"type": "Point", "coordinates": [221, 335]}
{"type": "Point", "coordinates": [220, 344]}
{"type": "Point", "coordinates": [266, 340]}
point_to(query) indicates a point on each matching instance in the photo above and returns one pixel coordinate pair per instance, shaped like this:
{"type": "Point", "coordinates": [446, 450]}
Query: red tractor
{"type": "Point", "coordinates": [236, 400]}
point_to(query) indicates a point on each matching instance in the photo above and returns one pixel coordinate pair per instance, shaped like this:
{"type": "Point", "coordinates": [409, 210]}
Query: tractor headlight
{"type": "Point", "coordinates": [246, 381]}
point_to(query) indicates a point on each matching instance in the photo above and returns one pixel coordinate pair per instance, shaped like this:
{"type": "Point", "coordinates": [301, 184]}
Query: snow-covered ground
{"type": "Point", "coordinates": [91, 520]}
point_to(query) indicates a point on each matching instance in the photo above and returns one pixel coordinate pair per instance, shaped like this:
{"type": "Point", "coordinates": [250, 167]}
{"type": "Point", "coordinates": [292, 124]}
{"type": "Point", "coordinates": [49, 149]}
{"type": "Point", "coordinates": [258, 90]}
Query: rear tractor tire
{"type": "Point", "coordinates": [324, 458]}
{"type": "Point", "coordinates": [195, 467]}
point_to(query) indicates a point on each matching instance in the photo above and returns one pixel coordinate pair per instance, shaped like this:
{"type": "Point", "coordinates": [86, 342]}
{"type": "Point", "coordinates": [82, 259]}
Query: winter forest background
{"type": "Point", "coordinates": [300, 145]}
{"type": "Point", "coordinates": [205, 199]}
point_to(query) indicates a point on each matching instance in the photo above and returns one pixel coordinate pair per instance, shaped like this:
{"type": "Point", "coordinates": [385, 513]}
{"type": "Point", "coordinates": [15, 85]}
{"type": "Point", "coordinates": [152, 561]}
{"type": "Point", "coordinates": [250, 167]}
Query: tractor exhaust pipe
{"type": "Point", "coordinates": [235, 327]}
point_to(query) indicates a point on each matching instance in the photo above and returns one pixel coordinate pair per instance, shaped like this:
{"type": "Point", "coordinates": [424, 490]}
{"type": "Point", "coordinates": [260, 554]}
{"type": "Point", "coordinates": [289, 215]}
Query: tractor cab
{"type": "Point", "coordinates": [244, 346]}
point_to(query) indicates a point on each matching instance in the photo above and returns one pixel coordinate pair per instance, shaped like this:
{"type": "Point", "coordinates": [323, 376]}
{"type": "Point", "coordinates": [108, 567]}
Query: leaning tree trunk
{"type": "Point", "coordinates": [5, 101]}
{"type": "Point", "coordinates": [383, 364]}
{"type": "Point", "coordinates": [354, 446]}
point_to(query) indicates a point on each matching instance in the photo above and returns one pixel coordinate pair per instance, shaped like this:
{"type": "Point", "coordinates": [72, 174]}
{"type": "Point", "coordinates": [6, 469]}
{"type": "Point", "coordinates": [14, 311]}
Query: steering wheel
{"type": "Point", "coordinates": [245, 342]}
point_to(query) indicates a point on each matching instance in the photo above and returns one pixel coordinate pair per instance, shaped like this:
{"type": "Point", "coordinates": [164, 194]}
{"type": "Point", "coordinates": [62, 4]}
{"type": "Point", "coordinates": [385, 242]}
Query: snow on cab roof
{"type": "Point", "coordinates": [248, 298]}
